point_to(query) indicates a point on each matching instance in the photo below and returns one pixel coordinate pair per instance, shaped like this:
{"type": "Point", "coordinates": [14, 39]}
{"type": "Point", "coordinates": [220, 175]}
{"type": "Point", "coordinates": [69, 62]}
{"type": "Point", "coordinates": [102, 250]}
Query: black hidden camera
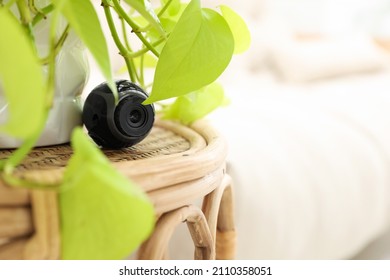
{"type": "Point", "coordinates": [122, 125]}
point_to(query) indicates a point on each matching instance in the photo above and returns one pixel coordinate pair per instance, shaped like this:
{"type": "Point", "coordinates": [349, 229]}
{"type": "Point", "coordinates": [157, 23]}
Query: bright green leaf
{"type": "Point", "coordinates": [144, 8]}
{"type": "Point", "coordinates": [84, 21]}
{"type": "Point", "coordinates": [23, 83]}
{"type": "Point", "coordinates": [103, 215]}
{"type": "Point", "coordinates": [196, 53]}
{"type": "Point", "coordinates": [194, 106]}
{"type": "Point", "coordinates": [241, 34]}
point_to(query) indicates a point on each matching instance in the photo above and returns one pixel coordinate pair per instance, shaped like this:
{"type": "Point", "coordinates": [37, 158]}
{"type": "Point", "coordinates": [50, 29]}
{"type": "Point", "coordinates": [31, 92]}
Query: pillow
{"type": "Point", "coordinates": [324, 57]}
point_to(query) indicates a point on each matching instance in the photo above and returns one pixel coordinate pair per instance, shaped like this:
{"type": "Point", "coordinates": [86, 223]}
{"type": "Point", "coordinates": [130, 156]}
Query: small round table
{"type": "Point", "coordinates": [175, 165]}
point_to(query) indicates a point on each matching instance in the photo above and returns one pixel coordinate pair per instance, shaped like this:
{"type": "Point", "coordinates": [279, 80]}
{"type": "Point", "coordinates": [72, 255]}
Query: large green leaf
{"type": "Point", "coordinates": [103, 215]}
{"type": "Point", "coordinates": [21, 79]}
{"type": "Point", "coordinates": [193, 106]}
{"type": "Point", "coordinates": [197, 52]}
{"type": "Point", "coordinates": [84, 21]}
{"type": "Point", "coordinates": [241, 34]}
{"type": "Point", "coordinates": [144, 8]}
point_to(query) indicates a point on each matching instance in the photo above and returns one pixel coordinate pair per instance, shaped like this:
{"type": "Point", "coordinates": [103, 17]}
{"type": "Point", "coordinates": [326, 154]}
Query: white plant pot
{"type": "Point", "coordinates": [71, 75]}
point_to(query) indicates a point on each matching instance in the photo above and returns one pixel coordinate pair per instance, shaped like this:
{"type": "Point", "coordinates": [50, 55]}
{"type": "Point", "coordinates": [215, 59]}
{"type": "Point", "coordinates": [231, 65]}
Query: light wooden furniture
{"type": "Point", "coordinates": [175, 165]}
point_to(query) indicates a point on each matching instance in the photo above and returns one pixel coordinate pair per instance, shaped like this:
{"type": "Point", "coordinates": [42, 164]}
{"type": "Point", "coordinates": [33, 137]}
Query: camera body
{"type": "Point", "coordinates": [120, 126]}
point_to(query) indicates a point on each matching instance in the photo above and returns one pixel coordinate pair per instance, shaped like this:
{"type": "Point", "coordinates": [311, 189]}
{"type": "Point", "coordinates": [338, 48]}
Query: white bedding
{"type": "Point", "coordinates": [310, 164]}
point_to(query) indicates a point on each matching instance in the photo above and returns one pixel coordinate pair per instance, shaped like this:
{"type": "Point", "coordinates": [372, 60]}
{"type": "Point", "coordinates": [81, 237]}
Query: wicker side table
{"type": "Point", "coordinates": [175, 165]}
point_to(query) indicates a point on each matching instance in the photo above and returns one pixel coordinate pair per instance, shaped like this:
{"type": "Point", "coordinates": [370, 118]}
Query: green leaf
{"type": "Point", "coordinates": [103, 214]}
{"type": "Point", "coordinates": [84, 21]}
{"type": "Point", "coordinates": [21, 78]}
{"type": "Point", "coordinates": [241, 34]}
{"type": "Point", "coordinates": [196, 53]}
{"type": "Point", "coordinates": [144, 8]}
{"type": "Point", "coordinates": [196, 105]}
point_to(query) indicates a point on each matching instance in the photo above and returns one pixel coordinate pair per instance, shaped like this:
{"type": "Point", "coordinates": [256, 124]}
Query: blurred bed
{"type": "Point", "coordinates": [310, 164]}
{"type": "Point", "coordinates": [308, 128]}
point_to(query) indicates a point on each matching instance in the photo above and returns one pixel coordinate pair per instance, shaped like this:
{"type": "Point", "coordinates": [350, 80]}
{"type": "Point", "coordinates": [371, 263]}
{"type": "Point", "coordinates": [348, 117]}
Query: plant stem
{"type": "Point", "coordinates": [18, 155]}
{"type": "Point", "coordinates": [25, 18]}
{"type": "Point", "coordinates": [33, 8]}
{"type": "Point", "coordinates": [141, 71]}
{"type": "Point", "coordinates": [124, 33]}
{"type": "Point", "coordinates": [24, 12]}
{"type": "Point", "coordinates": [63, 37]}
{"type": "Point", "coordinates": [14, 181]}
{"type": "Point", "coordinates": [122, 49]}
{"type": "Point", "coordinates": [132, 71]}
{"type": "Point", "coordinates": [52, 55]}
{"type": "Point", "coordinates": [118, 8]}
{"type": "Point", "coordinates": [145, 50]}
{"type": "Point", "coordinates": [44, 12]}
{"type": "Point", "coordinates": [58, 45]}
{"type": "Point", "coordinates": [164, 8]}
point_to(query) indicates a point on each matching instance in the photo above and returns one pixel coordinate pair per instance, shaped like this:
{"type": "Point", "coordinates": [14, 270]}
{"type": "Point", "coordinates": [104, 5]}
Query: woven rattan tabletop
{"type": "Point", "coordinates": [172, 153]}
{"type": "Point", "coordinates": [159, 142]}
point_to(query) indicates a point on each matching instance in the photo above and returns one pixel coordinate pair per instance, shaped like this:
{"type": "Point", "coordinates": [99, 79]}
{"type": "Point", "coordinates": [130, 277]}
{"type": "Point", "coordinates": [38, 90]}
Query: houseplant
{"type": "Point", "coordinates": [187, 45]}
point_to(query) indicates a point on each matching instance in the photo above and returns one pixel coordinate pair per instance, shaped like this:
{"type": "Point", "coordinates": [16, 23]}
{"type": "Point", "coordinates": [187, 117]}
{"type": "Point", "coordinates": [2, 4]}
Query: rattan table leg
{"type": "Point", "coordinates": [219, 212]}
{"type": "Point", "coordinates": [156, 246]}
{"type": "Point", "coordinates": [45, 243]}
{"type": "Point", "coordinates": [13, 250]}
{"type": "Point", "coordinates": [15, 222]}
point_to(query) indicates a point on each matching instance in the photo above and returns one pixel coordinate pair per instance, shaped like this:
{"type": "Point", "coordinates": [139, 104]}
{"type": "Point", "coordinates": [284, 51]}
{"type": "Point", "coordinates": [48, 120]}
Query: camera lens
{"type": "Point", "coordinates": [137, 117]}
{"type": "Point", "coordinates": [132, 118]}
